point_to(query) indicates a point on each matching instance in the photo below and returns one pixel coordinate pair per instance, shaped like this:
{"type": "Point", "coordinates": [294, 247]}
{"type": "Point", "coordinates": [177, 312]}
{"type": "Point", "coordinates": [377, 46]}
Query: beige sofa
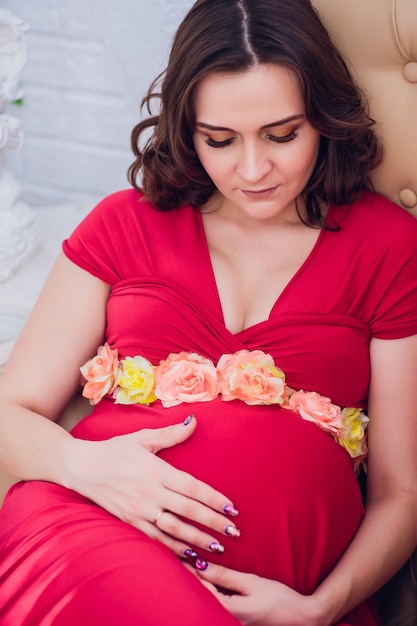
{"type": "Point", "coordinates": [379, 41]}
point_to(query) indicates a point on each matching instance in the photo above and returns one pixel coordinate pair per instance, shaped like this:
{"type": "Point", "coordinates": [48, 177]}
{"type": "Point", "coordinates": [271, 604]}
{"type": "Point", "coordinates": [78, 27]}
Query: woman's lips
{"type": "Point", "coordinates": [262, 193]}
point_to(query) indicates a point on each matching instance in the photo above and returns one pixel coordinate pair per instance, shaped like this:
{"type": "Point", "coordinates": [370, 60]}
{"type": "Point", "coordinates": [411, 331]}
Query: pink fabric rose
{"type": "Point", "coordinates": [100, 373]}
{"type": "Point", "coordinates": [185, 377]}
{"type": "Point", "coordinates": [313, 407]}
{"type": "Point", "coordinates": [251, 376]}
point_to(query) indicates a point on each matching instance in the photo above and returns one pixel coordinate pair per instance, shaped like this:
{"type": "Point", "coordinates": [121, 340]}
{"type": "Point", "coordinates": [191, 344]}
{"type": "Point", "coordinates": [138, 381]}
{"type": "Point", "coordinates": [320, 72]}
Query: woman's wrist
{"type": "Point", "coordinates": [321, 610]}
{"type": "Point", "coordinates": [311, 612]}
{"type": "Point", "coordinates": [75, 455]}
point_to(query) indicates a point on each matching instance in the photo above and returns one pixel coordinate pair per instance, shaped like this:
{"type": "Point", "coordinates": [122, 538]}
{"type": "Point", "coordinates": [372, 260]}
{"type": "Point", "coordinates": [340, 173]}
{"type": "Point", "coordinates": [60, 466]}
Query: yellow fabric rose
{"type": "Point", "coordinates": [135, 381]}
{"type": "Point", "coordinates": [352, 436]}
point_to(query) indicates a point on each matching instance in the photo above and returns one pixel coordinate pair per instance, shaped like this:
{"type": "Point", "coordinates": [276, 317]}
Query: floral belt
{"type": "Point", "coordinates": [249, 376]}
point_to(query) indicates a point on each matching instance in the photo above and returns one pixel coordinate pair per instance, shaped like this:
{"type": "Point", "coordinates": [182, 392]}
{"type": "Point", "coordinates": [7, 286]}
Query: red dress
{"type": "Point", "coordinates": [66, 561]}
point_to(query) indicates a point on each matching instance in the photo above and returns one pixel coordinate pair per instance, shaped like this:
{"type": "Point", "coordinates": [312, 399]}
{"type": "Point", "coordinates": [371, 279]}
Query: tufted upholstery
{"type": "Point", "coordinates": [378, 39]}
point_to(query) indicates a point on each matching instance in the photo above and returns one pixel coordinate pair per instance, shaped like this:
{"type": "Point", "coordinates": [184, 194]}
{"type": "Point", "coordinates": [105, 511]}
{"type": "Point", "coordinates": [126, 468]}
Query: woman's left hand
{"type": "Point", "coordinates": [257, 600]}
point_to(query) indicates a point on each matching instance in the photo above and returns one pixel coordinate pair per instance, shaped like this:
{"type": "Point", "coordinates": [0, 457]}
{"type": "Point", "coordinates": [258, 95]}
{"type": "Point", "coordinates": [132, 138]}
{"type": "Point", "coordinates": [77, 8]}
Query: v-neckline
{"type": "Point", "coordinates": [304, 265]}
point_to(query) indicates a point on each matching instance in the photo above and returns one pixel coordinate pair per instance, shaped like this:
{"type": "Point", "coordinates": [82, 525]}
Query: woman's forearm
{"type": "Point", "coordinates": [33, 447]}
{"type": "Point", "coordinates": [384, 541]}
{"type": "Point", "coordinates": [42, 373]}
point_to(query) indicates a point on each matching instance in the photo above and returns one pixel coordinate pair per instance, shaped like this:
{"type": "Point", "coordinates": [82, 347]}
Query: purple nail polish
{"type": "Point", "coordinates": [201, 565]}
{"type": "Point", "coordinates": [216, 547]}
{"type": "Point", "coordinates": [188, 419]}
{"type": "Point", "coordinates": [232, 531]}
{"type": "Point", "coordinates": [229, 509]}
{"type": "Point", "coordinates": [190, 554]}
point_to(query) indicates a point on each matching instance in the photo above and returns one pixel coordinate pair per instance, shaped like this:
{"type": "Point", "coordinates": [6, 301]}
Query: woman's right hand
{"type": "Point", "coordinates": [125, 476]}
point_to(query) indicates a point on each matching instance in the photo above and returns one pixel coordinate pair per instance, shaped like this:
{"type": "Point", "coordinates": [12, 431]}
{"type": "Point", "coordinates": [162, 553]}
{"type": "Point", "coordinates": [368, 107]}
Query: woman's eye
{"type": "Point", "coordinates": [218, 144]}
{"type": "Point", "coordinates": [284, 139]}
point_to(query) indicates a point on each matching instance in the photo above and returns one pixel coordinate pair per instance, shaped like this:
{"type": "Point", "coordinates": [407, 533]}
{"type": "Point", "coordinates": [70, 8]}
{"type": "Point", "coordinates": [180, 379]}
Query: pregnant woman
{"type": "Point", "coordinates": [243, 320]}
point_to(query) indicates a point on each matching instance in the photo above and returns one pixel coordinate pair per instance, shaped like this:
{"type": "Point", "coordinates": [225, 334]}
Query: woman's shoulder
{"type": "Point", "coordinates": [125, 234]}
{"type": "Point", "coordinates": [129, 217]}
{"type": "Point", "coordinates": [132, 202]}
{"type": "Point", "coordinates": [375, 217]}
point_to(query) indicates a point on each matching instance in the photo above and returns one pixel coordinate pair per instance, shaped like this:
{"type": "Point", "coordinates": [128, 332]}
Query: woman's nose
{"type": "Point", "coordinates": [253, 163]}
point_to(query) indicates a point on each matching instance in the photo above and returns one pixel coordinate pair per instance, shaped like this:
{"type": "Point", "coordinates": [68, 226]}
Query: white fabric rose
{"type": "Point", "coordinates": [13, 54]}
{"type": "Point", "coordinates": [11, 135]}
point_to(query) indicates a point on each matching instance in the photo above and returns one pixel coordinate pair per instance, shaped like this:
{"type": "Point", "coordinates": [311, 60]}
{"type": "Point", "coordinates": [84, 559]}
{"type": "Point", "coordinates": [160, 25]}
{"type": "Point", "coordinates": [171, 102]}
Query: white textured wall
{"type": "Point", "coordinates": [89, 64]}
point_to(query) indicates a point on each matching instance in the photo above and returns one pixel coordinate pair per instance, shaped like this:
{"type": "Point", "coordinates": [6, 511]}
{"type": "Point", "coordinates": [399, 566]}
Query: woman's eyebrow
{"type": "Point", "coordinates": [290, 118]}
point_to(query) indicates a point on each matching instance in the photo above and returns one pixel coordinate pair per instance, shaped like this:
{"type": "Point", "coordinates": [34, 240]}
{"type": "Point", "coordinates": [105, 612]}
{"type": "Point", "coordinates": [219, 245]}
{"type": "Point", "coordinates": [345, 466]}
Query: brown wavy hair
{"type": "Point", "coordinates": [234, 36]}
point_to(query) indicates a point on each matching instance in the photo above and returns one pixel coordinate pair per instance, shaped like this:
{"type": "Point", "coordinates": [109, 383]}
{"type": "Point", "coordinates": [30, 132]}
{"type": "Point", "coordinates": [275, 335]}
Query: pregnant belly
{"type": "Point", "coordinates": [294, 486]}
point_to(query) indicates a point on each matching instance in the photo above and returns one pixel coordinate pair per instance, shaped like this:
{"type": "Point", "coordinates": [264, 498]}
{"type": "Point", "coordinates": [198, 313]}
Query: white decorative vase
{"type": "Point", "coordinates": [19, 231]}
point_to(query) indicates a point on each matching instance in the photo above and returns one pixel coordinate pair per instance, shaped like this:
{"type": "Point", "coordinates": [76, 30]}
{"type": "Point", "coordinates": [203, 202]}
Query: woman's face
{"type": "Point", "coordinates": [254, 141]}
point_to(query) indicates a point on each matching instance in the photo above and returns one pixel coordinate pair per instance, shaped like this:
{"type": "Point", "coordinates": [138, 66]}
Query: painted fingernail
{"type": "Point", "coordinates": [201, 565]}
{"type": "Point", "coordinates": [229, 509]}
{"type": "Point", "coordinates": [190, 554]}
{"type": "Point", "coordinates": [216, 547]}
{"type": "Point", "coordinates": [232, 531]}
{"type": "Point", "coordinates": [188, 419]}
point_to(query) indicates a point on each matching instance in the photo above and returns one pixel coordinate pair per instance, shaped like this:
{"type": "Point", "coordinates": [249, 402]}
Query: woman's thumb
{"type": "Point", "coordinates": [155, 439]}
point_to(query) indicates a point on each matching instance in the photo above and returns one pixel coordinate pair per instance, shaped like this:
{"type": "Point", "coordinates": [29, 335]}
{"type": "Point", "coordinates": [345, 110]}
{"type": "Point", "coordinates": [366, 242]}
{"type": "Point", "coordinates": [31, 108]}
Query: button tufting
{"type": "Point", "coordinates": [410, 71]}
{"type": "Point", "coordinates": [408, 198]}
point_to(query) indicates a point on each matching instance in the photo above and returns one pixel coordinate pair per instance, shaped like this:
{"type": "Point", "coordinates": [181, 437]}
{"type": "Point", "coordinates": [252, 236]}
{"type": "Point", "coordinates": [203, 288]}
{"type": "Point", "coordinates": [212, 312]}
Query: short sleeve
{"type": "Point", "coordinates": [395, 282]}
{"type": "Point", "coordinates": [101, 241]}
